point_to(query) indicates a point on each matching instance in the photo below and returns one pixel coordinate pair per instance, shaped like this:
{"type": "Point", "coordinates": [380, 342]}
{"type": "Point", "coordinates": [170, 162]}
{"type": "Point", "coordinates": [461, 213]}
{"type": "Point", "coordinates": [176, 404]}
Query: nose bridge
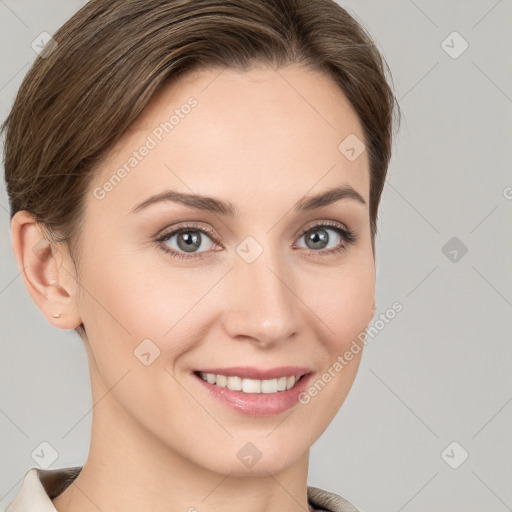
{"type": "Point", "coordinates": [261, 303]}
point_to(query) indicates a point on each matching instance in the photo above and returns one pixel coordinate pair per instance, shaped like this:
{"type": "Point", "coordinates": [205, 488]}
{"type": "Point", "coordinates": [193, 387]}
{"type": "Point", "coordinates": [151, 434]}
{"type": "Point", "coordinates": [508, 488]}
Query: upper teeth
{"type": "Point", "coordinates": [250, 385]}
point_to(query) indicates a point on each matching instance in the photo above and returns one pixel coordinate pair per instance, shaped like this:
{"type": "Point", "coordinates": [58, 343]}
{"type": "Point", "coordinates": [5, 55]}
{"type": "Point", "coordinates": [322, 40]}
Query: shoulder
{"type": "Point", "coordinates": [329, 502]}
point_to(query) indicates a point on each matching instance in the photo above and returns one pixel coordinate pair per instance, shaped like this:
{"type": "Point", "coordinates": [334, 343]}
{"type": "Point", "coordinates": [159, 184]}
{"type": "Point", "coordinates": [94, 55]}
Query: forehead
{"type": "Point", "coordinates": [222, 132]}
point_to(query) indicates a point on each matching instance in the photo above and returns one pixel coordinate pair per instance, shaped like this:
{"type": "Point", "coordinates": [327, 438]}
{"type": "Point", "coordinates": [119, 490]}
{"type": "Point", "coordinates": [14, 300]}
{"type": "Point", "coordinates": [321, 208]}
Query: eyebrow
{"type": "Point", "coordinates": [211, 204]}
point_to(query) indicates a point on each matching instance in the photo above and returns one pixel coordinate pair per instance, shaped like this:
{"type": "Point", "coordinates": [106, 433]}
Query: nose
{"type": "Point", "coordinates": [260, 303]}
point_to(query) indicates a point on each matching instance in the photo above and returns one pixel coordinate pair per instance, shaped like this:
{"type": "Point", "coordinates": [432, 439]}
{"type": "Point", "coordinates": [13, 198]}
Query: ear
{"type": "Point", "coordinates": [48, 271]}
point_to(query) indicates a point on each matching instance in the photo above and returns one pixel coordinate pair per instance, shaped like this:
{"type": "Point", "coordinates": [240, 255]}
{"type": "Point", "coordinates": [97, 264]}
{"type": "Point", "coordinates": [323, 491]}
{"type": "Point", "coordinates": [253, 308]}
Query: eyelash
{"type": "Point", "coordinates": [348, 238]}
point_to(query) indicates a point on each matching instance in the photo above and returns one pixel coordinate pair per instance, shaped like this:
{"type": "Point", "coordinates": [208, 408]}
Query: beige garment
{"type": "Point", "coordinates": [39, 486]}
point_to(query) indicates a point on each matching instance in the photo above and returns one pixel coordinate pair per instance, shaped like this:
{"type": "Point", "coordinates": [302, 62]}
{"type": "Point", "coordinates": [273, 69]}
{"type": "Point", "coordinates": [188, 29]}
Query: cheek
{"type": "Point", "coordinates": [343, 301]}
{"type": "Point", "coordinates": [131, 305]}
{"type": "Point", "coordinates": [128, 296]}
{"type": "Point", "coordinates": [342, 311]}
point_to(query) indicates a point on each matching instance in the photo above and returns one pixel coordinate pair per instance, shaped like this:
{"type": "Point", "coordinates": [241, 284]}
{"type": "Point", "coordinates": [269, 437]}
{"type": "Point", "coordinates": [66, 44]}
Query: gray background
{"type": "Point", "coordinates": [440, 371]}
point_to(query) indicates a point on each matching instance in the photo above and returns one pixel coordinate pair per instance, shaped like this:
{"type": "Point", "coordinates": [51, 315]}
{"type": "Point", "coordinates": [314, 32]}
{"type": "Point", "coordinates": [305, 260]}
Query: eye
{"type": "Point", "coordinates": [319, 237]}
{"type": "Point", "coordinates": [190, 241]}
{"type": "Point", "coordinates": [187, 241]}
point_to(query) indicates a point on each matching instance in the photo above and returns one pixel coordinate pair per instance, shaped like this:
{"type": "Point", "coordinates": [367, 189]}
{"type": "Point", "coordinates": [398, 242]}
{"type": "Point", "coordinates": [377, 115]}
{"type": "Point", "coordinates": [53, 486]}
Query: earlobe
{"type": "Point", "coordinates": [38, 262]}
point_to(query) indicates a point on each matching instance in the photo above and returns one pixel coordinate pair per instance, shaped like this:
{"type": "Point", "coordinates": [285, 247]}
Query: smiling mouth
{"type": "Point", "coordinates": [251, 386]}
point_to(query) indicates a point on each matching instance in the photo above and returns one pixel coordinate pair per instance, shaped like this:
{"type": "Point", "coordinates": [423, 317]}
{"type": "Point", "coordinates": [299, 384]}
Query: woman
{"type": "Point", "coordinates": [194, 188]}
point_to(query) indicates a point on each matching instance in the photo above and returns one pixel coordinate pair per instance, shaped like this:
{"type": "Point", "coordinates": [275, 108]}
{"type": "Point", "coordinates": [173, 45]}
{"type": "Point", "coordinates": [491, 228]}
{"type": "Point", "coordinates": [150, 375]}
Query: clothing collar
{"type": "Point", "coordinates": [40, 486]}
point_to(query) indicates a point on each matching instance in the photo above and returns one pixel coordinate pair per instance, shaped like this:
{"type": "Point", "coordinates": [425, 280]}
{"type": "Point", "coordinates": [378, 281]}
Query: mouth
{"type": "Point", "coordinates": [246, 385]}
{"type": "Point", "coordinates": [252, 391]}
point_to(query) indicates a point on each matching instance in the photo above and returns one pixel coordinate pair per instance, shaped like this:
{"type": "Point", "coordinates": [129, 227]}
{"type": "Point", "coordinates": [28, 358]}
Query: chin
{"type": "Point", "coordinates": [243, 458]}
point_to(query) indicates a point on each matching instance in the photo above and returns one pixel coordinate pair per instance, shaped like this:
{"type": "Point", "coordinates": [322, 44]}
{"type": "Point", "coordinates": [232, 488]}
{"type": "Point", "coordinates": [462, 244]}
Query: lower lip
{"type": "Point", "coordinates": [257, 404]}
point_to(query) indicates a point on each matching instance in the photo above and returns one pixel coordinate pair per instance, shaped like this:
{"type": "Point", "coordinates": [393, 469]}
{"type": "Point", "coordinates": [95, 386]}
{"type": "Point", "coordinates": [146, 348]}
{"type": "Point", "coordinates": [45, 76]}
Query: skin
{"type": "Point", "coordinates": [262, 139]}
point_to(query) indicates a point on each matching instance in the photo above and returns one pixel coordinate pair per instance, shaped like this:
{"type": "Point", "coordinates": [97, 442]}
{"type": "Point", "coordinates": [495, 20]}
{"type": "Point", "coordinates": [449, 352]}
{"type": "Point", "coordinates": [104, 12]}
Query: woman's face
{"type": "Point", "coordinates": [273, 288]}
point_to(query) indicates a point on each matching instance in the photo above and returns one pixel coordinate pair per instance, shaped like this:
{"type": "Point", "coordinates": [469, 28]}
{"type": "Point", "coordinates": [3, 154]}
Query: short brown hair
{"type": "Point", "coordinates": [113, 55]}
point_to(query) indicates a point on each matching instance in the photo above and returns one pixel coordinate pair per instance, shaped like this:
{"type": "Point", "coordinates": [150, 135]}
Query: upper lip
{"type": "Point", "coordinates": [249, 372]}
